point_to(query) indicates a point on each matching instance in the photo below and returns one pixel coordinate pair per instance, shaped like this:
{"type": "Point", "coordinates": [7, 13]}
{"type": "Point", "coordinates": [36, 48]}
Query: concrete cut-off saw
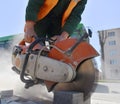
{"type": "Point", "coordinates": [65, 65]}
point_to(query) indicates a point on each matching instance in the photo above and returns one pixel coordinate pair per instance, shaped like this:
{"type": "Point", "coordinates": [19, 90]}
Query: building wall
{"type": "Point", "coordinates": [111, 50]}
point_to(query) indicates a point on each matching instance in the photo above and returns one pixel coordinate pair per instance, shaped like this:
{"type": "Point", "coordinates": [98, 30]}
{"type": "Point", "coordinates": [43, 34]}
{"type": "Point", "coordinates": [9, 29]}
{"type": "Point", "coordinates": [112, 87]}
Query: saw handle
{"type": "Point", "coordinates": [34, 38]}
{"type": "Point", "coordinates": [28, 82]}
{"type": "Point", "coordinates": [23, 42]}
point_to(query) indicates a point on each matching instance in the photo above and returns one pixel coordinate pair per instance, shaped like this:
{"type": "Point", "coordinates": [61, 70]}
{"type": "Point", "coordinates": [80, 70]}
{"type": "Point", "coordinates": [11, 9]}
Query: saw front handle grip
{"type": "Point", "coordinates": [22, 42]}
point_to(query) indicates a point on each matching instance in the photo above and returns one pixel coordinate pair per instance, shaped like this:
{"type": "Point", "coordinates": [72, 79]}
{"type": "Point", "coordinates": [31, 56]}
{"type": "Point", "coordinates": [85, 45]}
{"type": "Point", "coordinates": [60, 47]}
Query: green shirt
{"type": "Point", "coordinates": [57, 12]}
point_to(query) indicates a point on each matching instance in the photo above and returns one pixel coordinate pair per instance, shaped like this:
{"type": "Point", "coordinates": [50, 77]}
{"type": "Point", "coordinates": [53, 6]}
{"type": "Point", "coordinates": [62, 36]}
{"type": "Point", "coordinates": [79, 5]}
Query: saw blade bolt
{"type": "Point", "coordinates": [45, 68]}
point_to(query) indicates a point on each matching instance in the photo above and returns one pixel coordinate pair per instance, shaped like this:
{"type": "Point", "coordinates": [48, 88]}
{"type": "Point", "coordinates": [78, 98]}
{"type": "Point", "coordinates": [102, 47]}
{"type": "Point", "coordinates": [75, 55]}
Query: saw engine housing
{"type": "Point", "coordinates": [45, 68]}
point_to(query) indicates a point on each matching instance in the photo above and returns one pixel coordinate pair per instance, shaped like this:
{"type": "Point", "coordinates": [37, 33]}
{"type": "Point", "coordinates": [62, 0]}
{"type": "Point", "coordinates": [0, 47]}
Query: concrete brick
{"type": "Point", "coordinates": [29, 102]}
{"type": "Point", "coordinates": [88, 101]}
{"type": "Point", "coordinates": [64, 97]}
{"type": "Point", "coordinates": [14, 103]}
{"type": "Point", "coordinates": [5, 94]}
{"type": "Point", "coordinates": [17, 100]}
{"type": "Point", "coordinates": [9, 100]}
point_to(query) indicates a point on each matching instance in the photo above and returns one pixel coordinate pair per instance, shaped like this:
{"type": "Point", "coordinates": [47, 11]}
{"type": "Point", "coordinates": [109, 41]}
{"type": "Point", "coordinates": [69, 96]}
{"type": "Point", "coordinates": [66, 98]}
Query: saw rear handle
{"type": "Point", "coordinates": [84, 36]}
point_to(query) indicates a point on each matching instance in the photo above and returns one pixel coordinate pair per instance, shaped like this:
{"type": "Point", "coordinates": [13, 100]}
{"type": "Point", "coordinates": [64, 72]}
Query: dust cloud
{"type": "Point", "coordinates": [9, 80]}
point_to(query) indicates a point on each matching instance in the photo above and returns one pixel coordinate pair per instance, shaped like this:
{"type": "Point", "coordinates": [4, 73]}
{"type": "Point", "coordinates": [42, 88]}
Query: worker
{"type": "Point", "coordinates": [52, 18]}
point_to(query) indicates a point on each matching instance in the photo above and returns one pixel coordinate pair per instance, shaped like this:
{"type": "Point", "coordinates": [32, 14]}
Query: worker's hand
{"type": "Point", "coordinates": [63, 36]}
{"type": "Point", "coordinates": [29, 31]}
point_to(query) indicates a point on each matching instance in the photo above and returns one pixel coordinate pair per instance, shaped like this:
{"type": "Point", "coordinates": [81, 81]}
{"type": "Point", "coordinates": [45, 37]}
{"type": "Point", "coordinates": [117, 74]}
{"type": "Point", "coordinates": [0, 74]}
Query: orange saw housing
{"type": "Point", "coordinates": [82, 52]}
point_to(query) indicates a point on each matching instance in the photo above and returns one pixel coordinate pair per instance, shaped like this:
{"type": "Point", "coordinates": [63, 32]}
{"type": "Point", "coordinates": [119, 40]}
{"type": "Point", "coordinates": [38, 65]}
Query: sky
{"type": "Point", "coordinates": [98, 15]}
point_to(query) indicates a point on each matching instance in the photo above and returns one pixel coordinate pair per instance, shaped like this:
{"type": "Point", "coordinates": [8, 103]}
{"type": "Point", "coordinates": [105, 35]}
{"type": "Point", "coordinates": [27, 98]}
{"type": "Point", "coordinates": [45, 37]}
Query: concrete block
{"type": "Point", "coordinates": [5, 94]}
{"type": "Point", "coordinates": [14, 103]}
{"type": "Point", "coordinates": [88, 101]}
{"type": "Point", "coordinates": [65, 97]}
{"type": "Point", "coordinates": [9, 100]}
{"type": "Point", "coordinates": [17, 100]}
{"type": "Point", "coordinates": [29, 102]}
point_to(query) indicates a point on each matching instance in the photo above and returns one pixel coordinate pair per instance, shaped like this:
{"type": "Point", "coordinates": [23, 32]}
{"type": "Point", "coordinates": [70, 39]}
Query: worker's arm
{"type": "Point", "coordinates": [32, 10]}
{"type": "Point", "coordinates": [74, 18]}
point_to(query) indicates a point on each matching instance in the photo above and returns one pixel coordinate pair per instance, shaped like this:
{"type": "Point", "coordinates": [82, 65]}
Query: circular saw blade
{"type": "Point", "coordinates": [84, 81]}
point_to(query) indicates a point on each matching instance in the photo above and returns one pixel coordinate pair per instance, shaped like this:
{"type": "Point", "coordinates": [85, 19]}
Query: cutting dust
{"type": "Point", "coordinates": [11, 81]}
